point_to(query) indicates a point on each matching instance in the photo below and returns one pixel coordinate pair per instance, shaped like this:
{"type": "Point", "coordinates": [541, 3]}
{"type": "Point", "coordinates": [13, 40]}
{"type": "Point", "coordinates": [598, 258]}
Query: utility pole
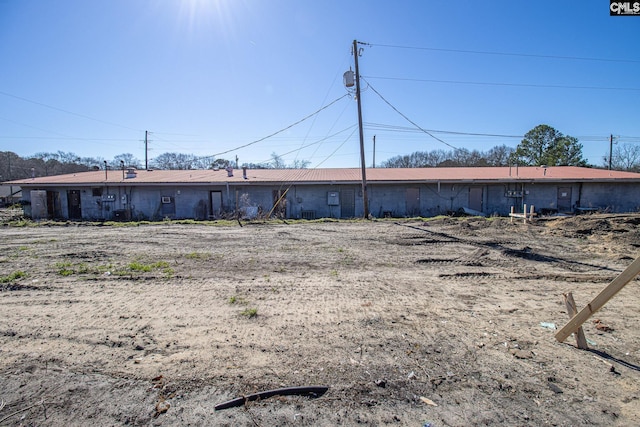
{"type": "Point", "coordinates": [146, 150]}
{"type": "Point", "coordinates": [374, 151]}
{"type": "Point", "coordinates": [9, 172]}
{"type": "Point", "coordinates": [610, 149]}
{"type": "Point", "coordinates": [365, 198]}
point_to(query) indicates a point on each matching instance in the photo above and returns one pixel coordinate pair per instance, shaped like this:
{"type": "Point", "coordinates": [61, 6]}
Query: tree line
{"type": "Point", "coordinates": [542, 145]}
{"type": "Point", "coordinates": [13, 166]}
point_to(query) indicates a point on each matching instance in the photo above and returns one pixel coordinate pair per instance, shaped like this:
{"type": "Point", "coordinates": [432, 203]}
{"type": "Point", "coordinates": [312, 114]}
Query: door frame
{"type": "Point", "coordinates": [75, 209]}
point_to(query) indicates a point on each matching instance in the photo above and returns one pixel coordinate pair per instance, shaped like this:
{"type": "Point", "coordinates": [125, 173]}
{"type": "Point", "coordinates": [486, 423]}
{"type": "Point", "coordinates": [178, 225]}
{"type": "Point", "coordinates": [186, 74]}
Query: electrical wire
{"type": "Point", "coordinates": [526, 55]}
{"type": "Point", "coordinates": [504, 84]}
{"type": "Point", "coordinates": [336, 150]}
{"type": "Point", "coordinates": [320, 141]}
{"type": "Point", "coordinates": [333, 84]}
{"type": "Point", "coordinates": [408, 119]}
{"type": "Point", "coordinates": [68, 112]}
{"type": "Point", "coordinates": [408, 129]}
{"type": "Point", "coordinates": [281, 130]}
{"type": "Point", "coordinates": [302, 171]}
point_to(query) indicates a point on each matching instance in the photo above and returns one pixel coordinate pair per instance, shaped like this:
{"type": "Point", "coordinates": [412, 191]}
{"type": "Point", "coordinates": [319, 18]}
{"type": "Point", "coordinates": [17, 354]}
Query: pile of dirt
{"type": "Point", "coordinates": [616, 235]}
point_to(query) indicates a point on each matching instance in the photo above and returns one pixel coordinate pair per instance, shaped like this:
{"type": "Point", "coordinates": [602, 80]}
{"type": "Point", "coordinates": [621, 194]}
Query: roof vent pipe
{"type": "Point", "coordinates": [229, 171]}
{"type": "Point", "coordinates": [244, 172]}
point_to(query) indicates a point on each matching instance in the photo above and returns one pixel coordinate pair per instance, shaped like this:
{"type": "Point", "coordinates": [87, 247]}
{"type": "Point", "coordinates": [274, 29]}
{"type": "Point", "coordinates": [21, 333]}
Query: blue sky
{"type": "Point", "coordinates": [208, 76]}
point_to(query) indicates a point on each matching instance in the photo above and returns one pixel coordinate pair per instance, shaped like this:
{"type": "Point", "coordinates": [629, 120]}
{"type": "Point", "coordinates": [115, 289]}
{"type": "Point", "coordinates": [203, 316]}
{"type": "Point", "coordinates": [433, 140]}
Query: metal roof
{"type": "Point", "coordinates": [342, 176]}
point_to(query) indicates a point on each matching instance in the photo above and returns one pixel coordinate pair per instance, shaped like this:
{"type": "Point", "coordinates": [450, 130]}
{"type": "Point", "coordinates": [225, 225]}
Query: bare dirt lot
{"type": "Point", "coordinates": [445, 322]}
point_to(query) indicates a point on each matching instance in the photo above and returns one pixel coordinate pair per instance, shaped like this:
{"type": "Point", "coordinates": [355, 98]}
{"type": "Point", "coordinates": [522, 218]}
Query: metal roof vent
{"type": "Point", "coordinates": [131, 173]}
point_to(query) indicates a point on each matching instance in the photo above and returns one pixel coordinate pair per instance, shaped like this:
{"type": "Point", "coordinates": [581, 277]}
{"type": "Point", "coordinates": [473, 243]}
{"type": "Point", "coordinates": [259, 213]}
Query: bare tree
{"type": "Point", "coordinates": [497, 156]}
{"type": "Point", "coordinates": [179, 161]}
{"type": "Point", "coordinates": [624, 157]}
{"type": "Point", "coordinates": [500, 155]}
{"type": "Point", "coordinates": [129, 160]}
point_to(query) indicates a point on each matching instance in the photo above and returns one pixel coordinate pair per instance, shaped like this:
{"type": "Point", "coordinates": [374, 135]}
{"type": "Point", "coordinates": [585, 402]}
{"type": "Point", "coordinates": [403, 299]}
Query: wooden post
{"type": "Point", "coordinates": [512, 212]}
{"type": "Point", "coordinates": [581, 340]}
{"type": "Point", "coordinates": [600, 300]}
{"type": "Point", "coordinates": [531, 213]}
{"type": "Point", "coordinates": [524, 211]}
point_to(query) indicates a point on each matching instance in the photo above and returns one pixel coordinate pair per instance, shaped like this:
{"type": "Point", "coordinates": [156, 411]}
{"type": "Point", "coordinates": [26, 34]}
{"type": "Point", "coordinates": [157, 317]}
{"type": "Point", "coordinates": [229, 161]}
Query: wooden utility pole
{"type": "Point", "coordinates": [10, 178]}
{"type": "Point", "coordinates": [365, 198]}
{"type": "Point", "coordinates": [146, 150]}
{"type": "Point", "coordinates": [610, 149]}
{"type": "Point", "coordinates": [374, 151]}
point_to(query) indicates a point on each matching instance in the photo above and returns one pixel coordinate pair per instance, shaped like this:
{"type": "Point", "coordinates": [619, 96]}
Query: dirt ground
{"type": "Point", "coordinates": [447, 322]}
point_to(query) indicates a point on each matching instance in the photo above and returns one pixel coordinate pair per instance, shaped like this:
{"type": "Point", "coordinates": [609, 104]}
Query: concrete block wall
{"type": "Point", "coordinates": [542, 196]}
{"type": "Point", "coordinates": [433, 199]}
{"type": "Point", "coordinates": [616, 197]}
{"type": "Point", "coordinates": [195, 201]}
{"type": "Point", "coordinates": [315, 198]}
{"type": "Point", "coordinates": [545, 196]}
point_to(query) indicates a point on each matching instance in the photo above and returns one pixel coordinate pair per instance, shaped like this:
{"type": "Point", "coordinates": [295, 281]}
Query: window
{"type": "Point", "coordinates": [166, 199]}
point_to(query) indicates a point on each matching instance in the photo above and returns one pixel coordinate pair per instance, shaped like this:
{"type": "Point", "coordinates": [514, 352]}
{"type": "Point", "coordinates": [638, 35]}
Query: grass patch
{"type": "Point", "coordinates": [139, 267]}
{"type": "Point", "coordinates": [64, 268]}
{"type": "Point", "coordinates": [68, 268]}
{"type": "Point", "coordinates": [22, 222]}
{"type": "Point", "coordinates": [200, 256]}
{"type": "Point", "coordinates": [250, 312]}
{"type": "Point", "coordinates": [236, 300]}
{"type": "Point", "coordinates": [13, 277]}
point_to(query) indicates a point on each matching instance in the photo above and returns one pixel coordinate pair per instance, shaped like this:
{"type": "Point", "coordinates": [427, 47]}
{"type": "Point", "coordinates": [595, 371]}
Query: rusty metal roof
{"type": "Point", "coordinates": [346, 175]}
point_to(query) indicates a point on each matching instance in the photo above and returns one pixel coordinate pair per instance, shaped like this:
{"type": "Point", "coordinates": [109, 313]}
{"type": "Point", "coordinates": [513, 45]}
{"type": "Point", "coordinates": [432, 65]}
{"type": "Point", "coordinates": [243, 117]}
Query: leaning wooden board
{"type": "Point", "coordinates": [605, 295]}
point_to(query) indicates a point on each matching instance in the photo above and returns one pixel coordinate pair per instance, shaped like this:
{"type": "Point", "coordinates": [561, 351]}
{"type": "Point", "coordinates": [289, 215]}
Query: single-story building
{"type": "Point", "coordinates": [323, 193]}
{"type": "Point", "coordinates": [9, 195]}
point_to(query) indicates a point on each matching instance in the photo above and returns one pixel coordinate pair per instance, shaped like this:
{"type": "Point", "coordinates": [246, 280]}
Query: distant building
{"type": "Point", "coordinates": [320, 193]}
{"type": "Point", "coordinates": [9, 195]}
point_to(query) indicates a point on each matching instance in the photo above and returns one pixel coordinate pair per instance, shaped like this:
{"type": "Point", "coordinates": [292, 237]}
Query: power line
{"type": "Point", "coordinates": [320, 141]}
{"type": "Point", "coordinates": [581, 138]}
{"type": "Point", "coordinates": [449, 132]}
{"type": "Point", "coordinates": [67, 111]}
{"type": "Point", "coordinates": [408, 119]}
{"type": "Point", "coordinates": [503, 84]}
{"type": "Point", "coordinates": [66, 138]}
{"type": "Point", "coordinates": [526, 55]}
{"type": "Point", "coordinates": [281, 130]}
